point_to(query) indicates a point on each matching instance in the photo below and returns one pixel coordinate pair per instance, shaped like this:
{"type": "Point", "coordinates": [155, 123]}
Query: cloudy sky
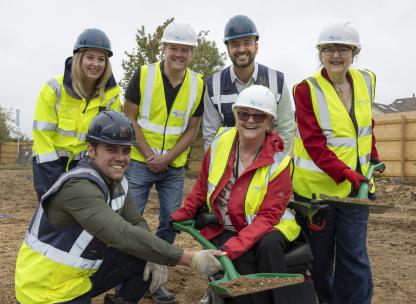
{"type": "Point", "coordinates": [37, 36]}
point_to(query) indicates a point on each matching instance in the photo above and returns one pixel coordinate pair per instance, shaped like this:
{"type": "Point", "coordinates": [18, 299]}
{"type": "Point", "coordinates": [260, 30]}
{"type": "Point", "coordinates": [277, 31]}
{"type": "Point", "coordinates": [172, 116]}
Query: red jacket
{"type": "Point", "coordinates": [269, 214]}
{"type": "Point", "coordinates": [311, 133]}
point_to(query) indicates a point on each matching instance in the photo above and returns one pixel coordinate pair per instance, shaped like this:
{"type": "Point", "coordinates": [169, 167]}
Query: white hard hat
{"type": "Point", "coordinates": [179, 33]}
{"type": "Point", "coordinates": [257, 97]}
{"type": "Point", "coordinates": [339, 32]}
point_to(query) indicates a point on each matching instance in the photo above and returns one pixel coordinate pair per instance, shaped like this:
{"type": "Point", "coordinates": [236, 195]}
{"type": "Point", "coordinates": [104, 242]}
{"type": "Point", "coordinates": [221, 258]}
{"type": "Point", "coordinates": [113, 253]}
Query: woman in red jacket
{"type": "Point", "coordinates": [245, 181]}
{"type": "Point", "coordinates": [332, 153]}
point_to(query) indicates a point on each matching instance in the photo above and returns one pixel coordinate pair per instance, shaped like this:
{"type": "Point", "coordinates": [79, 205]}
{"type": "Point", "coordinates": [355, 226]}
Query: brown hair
{"type": "Point", "coordinates": [78, 76]}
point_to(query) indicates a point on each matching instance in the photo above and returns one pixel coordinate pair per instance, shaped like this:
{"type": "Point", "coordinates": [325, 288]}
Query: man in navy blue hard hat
{"type": "Point", "coordinates": [241, 38]}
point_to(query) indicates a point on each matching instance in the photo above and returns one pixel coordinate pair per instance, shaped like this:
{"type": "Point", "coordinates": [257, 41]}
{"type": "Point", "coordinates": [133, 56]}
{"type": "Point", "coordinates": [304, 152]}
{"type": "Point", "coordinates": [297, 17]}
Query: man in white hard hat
{"type": "Point", "coordinates": [240, 37]}
{"type": "Point", "coordinates": [164, 102]}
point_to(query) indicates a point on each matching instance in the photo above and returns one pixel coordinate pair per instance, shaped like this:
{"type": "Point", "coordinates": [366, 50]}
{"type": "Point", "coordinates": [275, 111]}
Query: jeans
{"type": "Point", "coordinates": [169, 187]}
{"type": "Point", "coordinates": [117, 267]}
{"type": "Point", "coordinates": [341, 268]}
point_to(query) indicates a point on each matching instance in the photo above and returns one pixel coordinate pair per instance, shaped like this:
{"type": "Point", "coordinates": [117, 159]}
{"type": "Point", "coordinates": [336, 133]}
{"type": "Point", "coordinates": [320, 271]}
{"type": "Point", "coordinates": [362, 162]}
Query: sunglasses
{"type": "Point", "coordinates": [244, 116]}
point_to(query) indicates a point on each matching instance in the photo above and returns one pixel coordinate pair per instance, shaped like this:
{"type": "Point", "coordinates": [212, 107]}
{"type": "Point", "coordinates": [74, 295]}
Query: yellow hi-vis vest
{"type": "Point", "coordinates": [220, 153]}
{"type": "Point", "coordinates": [61, 120]}
{"type": "Point", "coordinates": [162, 130]}
{"type": "Point", "coordinates": [55, 265]}
{"type": "Point", "coordinates": [338, 128]}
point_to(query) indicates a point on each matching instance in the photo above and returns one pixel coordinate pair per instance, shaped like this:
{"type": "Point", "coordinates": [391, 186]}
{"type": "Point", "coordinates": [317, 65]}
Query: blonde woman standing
{"type": "Point", "coordinates": [67, 104]}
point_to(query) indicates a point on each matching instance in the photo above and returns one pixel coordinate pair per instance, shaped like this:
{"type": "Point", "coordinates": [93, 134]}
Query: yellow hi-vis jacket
{"type": "Point", "coordinates": [161, 129]}
{"type": "Point", "coordinates": [221, 147]}
{"type": "Point", "coordinates": [342, 138]}
{"type": "Point", "coordinates": [61, 120]}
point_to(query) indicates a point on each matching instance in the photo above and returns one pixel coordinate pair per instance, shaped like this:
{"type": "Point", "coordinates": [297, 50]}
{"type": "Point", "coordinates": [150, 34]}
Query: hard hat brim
{"type": "Point", "coordinates": [178, 42]}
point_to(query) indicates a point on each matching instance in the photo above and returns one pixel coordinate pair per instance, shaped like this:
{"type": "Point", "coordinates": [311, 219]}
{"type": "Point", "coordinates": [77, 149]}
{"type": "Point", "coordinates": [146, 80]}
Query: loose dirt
{"type": "Point", "coordinates": [391, 240]}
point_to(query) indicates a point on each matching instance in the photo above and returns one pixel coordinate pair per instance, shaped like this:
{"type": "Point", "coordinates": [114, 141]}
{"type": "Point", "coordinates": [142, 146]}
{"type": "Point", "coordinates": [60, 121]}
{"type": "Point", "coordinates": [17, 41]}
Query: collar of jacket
{"type": "Point", "coordinates": [272, 143]}
{"type": "Point", "coordinates": [68, 79]}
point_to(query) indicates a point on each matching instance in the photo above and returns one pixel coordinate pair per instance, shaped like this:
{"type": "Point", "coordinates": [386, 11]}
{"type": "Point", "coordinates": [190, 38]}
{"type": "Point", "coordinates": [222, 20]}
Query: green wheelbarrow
{"type": "Point", "coordinates": [233, 284]}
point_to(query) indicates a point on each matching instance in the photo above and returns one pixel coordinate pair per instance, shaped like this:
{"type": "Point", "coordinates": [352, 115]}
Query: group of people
{"type": "Point", "coordinates": [94, 166]}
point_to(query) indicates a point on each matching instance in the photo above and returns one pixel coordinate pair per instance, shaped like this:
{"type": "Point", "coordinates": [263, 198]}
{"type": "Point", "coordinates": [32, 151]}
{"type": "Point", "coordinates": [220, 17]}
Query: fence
{"type": "Point", "coordinates": [9, 151]}
{"type": "Point", "coordinates": [396, 143]}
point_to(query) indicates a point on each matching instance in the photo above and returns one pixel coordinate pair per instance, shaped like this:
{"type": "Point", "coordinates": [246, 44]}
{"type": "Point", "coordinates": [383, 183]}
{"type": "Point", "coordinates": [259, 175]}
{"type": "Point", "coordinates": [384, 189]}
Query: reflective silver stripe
{"type": "Point", "coordinates": [118, 203]}
{"type": "Point", "coordinates": [228, 98]}
{"type": "Point", "coordinates": [81, 243]}
{"type": "Point", "coordinates": [55, 86]}
{"type": "Point", "coordinates": [214, 147]}
{"type": "Point", "coordinates": [110, 102]}
{"type": "Point", "coordinates": [192, 99]}
{"type": "Point", "coordinates": [46, 157]}
{"type": "Point", "coordinates": [250, 218]}
{"type": "Point", "coordinates": [211, 188]}
{"type": "Point", "coordinates": [288, 215]}
{"type": "Point", "coordinates": [273, 83]}
{"type": "Point", "coordinates": [346, 142]}
{"type": "Point", "coordinates": [365, 159]}
{"type": "Point", "coordinates": [148, 92]}
{"type": "Point", "coordinates": [367, 79]}
{"type": "Point", "coordinates": [306, 164]}
{"type": "Point", "coordinates": [160, 129]}
{"type": "Point", "coordinates": [216, 90]}
{"type": "Point", "coordinates": [278, 157]}
{"type": "Point", "coordinates": [66, 133]}
{"type": "Point", "coordinates": [364, 131]}
{"type": "Point", "coordinates": [60, 256]}
{"type": "Point", "coordinates": [322, 107]}
{"type": "Point", "coordinates": [43, 126]}
{"type": "Point", "coordinates": [82, 137]}
{"type": "Point", "coordinates": [159, 152]}
{"type": "Point", "coordinates": [79, 155]}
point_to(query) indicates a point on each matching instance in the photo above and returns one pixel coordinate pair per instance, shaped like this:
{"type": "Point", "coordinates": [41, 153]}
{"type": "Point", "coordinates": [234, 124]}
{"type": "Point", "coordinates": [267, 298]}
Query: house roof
{"type": "Point", "coordinates": [399, 105]}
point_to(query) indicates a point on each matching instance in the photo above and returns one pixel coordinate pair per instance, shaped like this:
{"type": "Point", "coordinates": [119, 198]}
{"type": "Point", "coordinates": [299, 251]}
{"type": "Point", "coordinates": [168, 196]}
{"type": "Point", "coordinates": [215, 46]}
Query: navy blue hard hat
{"type": "Point", "coordinates": [95, 39]}
{"type": "Point", "coordinates": [238, 27]}
{"type": "Point", "coordinates": [111, 127]}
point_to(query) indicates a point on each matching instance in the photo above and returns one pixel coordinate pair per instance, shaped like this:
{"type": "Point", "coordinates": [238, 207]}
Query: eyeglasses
{"type": "Point", "coordinates": [342, 51]}
{"type": "Point", "coordinates": [244, 116]}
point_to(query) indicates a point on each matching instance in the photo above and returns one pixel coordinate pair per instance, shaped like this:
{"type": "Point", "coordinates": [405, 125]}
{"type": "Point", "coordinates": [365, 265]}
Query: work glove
{"type": "Point", "coordinates": [205, 263]}
{"type": "Point", "coordinates": [159, 275]}
{"type": "Point", "coordinates": [354, 178]}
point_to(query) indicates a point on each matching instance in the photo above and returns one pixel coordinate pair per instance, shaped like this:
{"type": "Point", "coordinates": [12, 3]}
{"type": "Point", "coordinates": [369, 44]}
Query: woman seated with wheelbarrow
{"type": "Point", "coordinates": [245, 182]}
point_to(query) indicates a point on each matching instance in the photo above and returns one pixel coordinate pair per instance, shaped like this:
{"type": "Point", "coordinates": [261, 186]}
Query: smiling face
{"type": "Point", "coordinates": [93, 64]}
{"type": "Point", "coordinates": [111, 160]}
{"type": "Point", "coordinates": [242, 51]}
{"type": "Point", "coordinates": [336, 58]}
{"type": "Point", "coordinates": [177, 56]}
{"type": "Point", "coordinates": [252, 127]}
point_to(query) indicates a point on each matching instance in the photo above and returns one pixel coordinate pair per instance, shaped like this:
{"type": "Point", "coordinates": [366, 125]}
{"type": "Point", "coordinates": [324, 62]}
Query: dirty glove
{"type": "Point", "coordinates": [205, 263]}
{"type": "Point", "coordinates": [354, 178]}
{"type": "Point", "coordinates": [159, 275]}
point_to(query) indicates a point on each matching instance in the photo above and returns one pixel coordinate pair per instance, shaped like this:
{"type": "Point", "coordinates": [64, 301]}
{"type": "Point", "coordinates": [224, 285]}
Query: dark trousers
{"type": "Point", "coordinates": [267, 255]}
{"type": "Point", "coordinates": [117, 267]}
{"type": "Point", "coordinates": [341, 268]}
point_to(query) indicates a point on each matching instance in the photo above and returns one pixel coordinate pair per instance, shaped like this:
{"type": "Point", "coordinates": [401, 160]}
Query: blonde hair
{"type": "Point", "coordinates": [78, 77]}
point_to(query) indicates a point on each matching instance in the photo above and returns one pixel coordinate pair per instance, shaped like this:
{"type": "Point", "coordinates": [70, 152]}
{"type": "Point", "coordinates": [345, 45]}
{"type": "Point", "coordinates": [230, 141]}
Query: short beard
{"type": "Point", "coordinates": [244, 65]}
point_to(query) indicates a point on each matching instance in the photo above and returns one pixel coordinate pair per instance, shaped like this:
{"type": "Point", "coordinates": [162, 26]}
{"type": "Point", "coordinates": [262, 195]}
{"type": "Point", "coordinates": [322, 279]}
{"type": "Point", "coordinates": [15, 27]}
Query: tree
{"type": "Point", "coordinates": [4, 127]}
{"type": "Point", "coordinates": [206, 60]}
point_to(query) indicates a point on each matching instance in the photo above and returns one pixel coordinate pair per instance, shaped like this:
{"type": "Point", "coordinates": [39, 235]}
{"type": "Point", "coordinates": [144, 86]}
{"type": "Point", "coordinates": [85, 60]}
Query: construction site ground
{"type": "Point", "coordinates": [391, 240]}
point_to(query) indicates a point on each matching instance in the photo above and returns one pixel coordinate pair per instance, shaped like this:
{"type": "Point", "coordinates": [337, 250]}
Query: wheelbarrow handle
{"type": "Point", "coordinates": [188, 227]}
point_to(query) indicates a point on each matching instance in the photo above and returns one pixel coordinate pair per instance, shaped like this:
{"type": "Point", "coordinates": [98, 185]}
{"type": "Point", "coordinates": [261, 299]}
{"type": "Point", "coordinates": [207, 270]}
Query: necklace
{"type": "Point", "coordinates": [340, 92]}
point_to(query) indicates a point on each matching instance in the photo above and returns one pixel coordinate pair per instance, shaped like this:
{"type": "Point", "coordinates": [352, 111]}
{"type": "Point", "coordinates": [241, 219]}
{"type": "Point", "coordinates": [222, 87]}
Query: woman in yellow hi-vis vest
{"type": "Point", "coordinates": [245, 182]}
{"type": "Point", "coordinates": [67, 104]}
{"type": "Point", "coordinates": [332, 152]}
